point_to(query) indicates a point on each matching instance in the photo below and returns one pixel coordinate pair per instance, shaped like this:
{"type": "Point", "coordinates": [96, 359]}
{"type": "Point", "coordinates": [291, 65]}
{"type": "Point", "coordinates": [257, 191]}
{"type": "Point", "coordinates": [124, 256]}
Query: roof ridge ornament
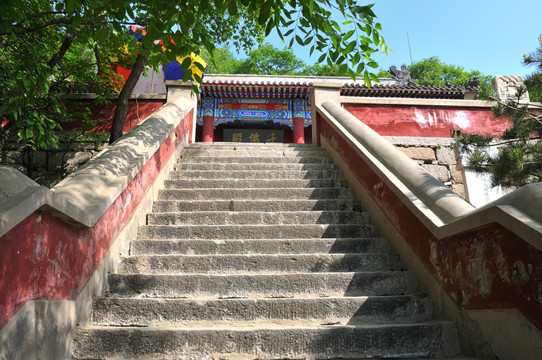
{"type": "Point", "coordinates": [401, 76]}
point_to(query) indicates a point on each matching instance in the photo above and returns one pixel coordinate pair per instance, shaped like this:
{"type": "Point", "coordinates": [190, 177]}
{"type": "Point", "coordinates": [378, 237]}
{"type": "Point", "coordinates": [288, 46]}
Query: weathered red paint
{"type": "Point", "coordinates": [490, 268]}
{"type": "Point", "coordinates": [396, 120]}
{"type": "Point", "coordinates": [44, 257]}
{"type": "Point", "coordinates": [138, 110]}
{"type": "Point", "coordinates": [208, 129]}
{"type": "Point", "coordinates": [299, 130]}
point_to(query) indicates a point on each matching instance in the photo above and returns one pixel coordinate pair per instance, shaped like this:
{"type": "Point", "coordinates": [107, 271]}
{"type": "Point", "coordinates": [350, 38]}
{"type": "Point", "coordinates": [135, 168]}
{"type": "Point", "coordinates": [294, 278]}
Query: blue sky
{"type": "Point", "coordinates": [488, 36]}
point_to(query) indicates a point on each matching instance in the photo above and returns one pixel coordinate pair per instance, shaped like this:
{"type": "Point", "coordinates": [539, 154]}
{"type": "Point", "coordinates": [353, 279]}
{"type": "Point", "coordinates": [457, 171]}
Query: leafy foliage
{"type": "Point", "coordinates": [46, 31]}
{"type": "Point", "coordinates": [516, 159]}
{"type": "Point", "coordinates": [533, 82]}
{"type": "Point", "coordinates": [267, 59]}
{"type": "Point", "coordinates": [54, 29]}
{"type": "Point", "coordinates": [433, 72]}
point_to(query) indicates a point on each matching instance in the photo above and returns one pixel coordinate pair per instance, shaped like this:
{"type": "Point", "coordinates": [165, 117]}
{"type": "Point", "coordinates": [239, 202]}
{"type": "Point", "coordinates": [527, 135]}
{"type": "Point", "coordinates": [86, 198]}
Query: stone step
{"type": "Point", "coordinates": [249, 194]}
{"type": "Point", "coordinates": [256, 218]}
{"type": "Point", "coordinates": [267, 341]}
{"type": "Point", "coordinates": [300, 159]}
{"type": "Point", "coordinates": [256, 174]}
{"type": "Point", "coordinates": [246, 152]}
{"type": "Point", "coordinates": [254, 183]}
{"type": "Point", "coordinates": [252, 205]}
{"type": "Point", "coordinates": [259, 246]}
{"type": "Point", "coordinates": [318, 311]}
{"type": "Point", "coordinates": [270, 285]}
{"type": "Point", "coordinates": [252, 166]}
{"type": "Point", "coordinates": [251, 263]}
{"type": "Point", "coordinates": [238, 145]}
{"type": "Point", "coordinates": [218, 232]}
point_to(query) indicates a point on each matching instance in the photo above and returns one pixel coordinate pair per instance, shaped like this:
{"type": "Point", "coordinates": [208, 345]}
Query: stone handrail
{"type": "Point", "coordinates": [59, 244]}
{"type": "Point", "coordinates": [84, 196]}
{"type": "Point", "coordinates": [480, 266]}
{"type": "Point", "coordinates": [444, 212]}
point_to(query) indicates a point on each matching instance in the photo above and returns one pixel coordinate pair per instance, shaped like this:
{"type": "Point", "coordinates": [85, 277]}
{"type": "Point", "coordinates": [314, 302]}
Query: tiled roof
{"type": "Point", "coordinates": [256, 89]}
{"type": "Point", "coordinates": [405, 91]}
{"type": "Point", "coordinates": [251, 86]}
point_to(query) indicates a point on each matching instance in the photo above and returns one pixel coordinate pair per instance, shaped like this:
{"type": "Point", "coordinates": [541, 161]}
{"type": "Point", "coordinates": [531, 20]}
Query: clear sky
{"type": "Point", "coordinates": [490, 36]}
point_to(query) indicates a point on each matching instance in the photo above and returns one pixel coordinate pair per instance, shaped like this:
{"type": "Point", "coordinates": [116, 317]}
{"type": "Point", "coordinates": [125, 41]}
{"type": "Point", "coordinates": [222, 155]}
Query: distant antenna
{"type": "Point", "coordinates": [409, 50]}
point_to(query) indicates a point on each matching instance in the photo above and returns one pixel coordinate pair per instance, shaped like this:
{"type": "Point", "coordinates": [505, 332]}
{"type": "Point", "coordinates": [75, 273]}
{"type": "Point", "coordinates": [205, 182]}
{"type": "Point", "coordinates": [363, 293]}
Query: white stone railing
{"type": "Point", "coordinates": [59, 244]}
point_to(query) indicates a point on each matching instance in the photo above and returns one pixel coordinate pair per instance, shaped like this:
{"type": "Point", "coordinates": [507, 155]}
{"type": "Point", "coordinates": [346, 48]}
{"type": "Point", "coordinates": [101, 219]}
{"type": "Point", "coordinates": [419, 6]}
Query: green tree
{"type": "Point", "coordinates": [171, 29]}
{"type": "Point", "coordinates": [433, 72]}
{"type": "Point", "coordinates": [533, 82]}
{"type": "Point", "coordinates": [38, 67]}
{"type": "Point", "coordinates": [267, 59]}
{"type": "Point", "coordinates": [321, 70]}
{"type": "Point", "coordinates": [516, 159]}
{"type": "Point", "coordinates": [221, 61]}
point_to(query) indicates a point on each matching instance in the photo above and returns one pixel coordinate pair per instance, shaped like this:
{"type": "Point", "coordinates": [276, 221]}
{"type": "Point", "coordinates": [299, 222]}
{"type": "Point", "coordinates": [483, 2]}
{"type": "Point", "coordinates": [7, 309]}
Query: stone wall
{"type": "Point", "coordinates": [438, 156]}
{"type": "Point", "coordinates": [48, 167]}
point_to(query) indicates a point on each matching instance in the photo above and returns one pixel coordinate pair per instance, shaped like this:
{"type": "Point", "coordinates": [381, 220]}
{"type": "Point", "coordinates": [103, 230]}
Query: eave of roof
{"type": "Point", "coordinates": [274, 86]}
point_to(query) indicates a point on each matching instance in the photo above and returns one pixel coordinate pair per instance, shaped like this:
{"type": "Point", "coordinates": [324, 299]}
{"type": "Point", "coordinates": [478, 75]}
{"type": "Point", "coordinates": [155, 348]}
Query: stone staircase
{"type": "Point", "coordinates": [259, 251]}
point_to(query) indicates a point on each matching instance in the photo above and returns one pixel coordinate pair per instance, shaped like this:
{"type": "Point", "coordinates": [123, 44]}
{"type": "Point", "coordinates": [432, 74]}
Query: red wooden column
{"type": "Point", "coordinates": [208, 129]}
{"type": "Point", "coordinates": [299, 130]}
{"type": "Point", "coordinates": [299, 111]}
{"type": "Point", "coordinates": [208, 107]}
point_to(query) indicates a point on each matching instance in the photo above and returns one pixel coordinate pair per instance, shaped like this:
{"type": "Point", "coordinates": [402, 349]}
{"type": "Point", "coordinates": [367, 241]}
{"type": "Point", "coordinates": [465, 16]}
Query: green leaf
{"type": "Point", "coordinates": [350, 47]}
{"type": "Point", "coordinates": [322, 58]}
{"type": "Point", "coordinates": [199, 66]}
{"type": "Point", "coordinates": [232, 8]}
{"type": "Point", "coordinates": [186, 64]}
{"type": "Point", "coordinates": [367, 78]}
{"type": "Point", "coordinates": [265, 12]}
{"type": "Point", "coordinates": [269, 28]}
{"type": "Point", "coordinates": [348, 35]}
{"type": "Point", "coordinates": [187, 75]}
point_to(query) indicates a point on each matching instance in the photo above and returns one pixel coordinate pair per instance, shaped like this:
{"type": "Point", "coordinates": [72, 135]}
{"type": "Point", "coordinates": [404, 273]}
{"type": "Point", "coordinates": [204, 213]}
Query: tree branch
{"type": "Point", "coordinates": [68, 40]}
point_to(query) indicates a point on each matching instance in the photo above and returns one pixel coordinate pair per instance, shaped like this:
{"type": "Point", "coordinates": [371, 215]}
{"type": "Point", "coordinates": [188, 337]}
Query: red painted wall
{"type": "Point", "coordinates": [137, 111]}
{"type": "Point", "coordinates": [428, 121]}
{"type": "Point", "coordinates": [44, 257]}
{"type": "Point", "coordinates": [490, 268]}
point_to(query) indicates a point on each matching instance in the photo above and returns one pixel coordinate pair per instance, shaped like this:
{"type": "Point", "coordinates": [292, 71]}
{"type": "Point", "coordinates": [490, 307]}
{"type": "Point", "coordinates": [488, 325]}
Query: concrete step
{"type": "Point", "coordinates": [259, 246]}
{"type": "Point", "coordinates": [323, 342]}
{"type": "Point", "coordinates": [270, 285]}
{"type": "Point", "coordinates": [247, 152]}
{"type": "Point", "coordinates": [250, 263]}
{"type": "Point", "coordinates": [253, 205]}
{"type": "Point", "coordinates": [318, 311]}
{"type": "Point", "coordinates": [300, 159]}
{"type": "Point", "coordinates": [254, 183]}
{"type": "Point", "coordinates": [250, 194]}
{"type": "Point", "coordinates": [256, 218]}
{"type": "Point", "coordinates": [222, 232]}
{"type": "Point", "coordinates": [252, 166]}
{"type": "Point", "coordinates": [237, 145]}
{"type": "Point", "coordinates": [256, 174]}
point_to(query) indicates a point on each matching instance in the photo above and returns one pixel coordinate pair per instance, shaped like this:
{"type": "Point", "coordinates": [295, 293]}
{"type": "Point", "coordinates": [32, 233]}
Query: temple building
{"type": "Point", "coordinates": [250, 108]}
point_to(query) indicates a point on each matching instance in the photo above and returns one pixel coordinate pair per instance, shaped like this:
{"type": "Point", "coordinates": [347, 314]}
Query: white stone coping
{"type": "Point", "coordinates": [92, 96]}
{"type": "Point", "coordinates": [442, 211]}
{"type": "Point", "coordinates": [388, 101]}
{"type": "Point", "coordinates": [84, 196]}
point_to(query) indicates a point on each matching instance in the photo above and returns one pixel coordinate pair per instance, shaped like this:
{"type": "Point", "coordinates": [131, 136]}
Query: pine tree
{"type": "Point", "coordinates": [518, 159]}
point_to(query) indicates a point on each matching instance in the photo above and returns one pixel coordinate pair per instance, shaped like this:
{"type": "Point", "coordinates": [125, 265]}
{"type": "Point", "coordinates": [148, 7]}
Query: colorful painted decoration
{"type": "Point", "coordinates": [254, 111]}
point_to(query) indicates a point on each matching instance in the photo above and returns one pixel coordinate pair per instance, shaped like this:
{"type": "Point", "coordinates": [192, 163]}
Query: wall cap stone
{"type": "Point", "coordinates": [84, 196]}
{"type": "Point", "coordinates": [443, 212]}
